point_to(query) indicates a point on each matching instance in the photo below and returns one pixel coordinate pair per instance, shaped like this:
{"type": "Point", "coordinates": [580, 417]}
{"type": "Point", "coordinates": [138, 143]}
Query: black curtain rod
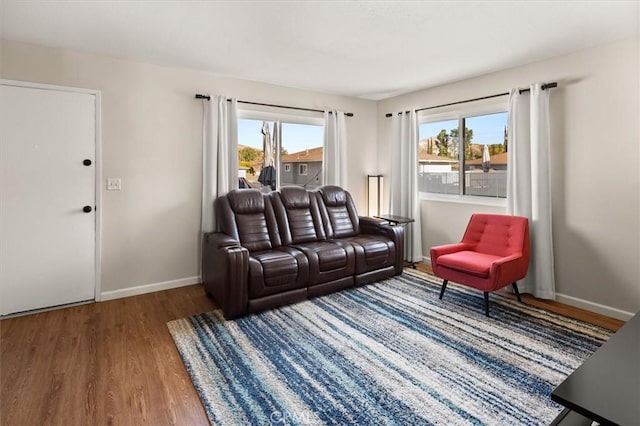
{"type": "Point", "coordinates": [207, 97]}
{"type": "Point", "coordinates": [544, 87]}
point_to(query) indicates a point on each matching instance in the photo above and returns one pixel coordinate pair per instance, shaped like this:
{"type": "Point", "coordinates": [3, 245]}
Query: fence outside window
{"type": "Point", "coordinates": [491, 184]}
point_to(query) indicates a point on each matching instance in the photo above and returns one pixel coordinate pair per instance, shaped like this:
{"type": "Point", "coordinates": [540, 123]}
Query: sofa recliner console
{"type": "Point", "coordinates": [293, 244]}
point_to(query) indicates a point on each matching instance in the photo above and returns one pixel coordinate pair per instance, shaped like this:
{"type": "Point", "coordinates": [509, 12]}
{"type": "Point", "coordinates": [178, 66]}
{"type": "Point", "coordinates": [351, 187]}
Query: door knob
{"type": "Point", "coordinates": [87, 162]}
{"type": "Point", "coordinates": [87, 209]}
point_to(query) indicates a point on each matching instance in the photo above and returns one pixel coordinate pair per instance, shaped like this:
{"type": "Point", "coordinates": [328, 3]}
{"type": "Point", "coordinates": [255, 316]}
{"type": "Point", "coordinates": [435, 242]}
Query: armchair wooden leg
{"type": "Point", "coordinates": [444, 286]}
{"type": "Point", "coordinates": [515, 290]}
{"type": "Point", "coordinates": [486, 303]}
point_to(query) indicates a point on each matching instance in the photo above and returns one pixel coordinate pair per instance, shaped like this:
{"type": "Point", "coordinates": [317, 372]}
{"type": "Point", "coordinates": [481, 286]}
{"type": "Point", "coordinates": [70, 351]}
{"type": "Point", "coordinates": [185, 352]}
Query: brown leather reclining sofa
{"type": "Point", "coordinates": [293, 244]}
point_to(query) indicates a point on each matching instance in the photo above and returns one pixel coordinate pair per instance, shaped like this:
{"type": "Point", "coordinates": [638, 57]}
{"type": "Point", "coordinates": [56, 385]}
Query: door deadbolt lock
{"type": "Point", "coordinates": [87, 209]}
{"type": "Point", "coordinates": [87, 162]}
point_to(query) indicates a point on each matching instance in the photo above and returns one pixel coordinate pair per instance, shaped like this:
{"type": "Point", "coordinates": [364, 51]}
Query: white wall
{"type": "Point", "coordinates": [595, 170]}
{"type": "Point", "coordinates": [152, 134]}
{"type": "Point", "coordinates": [151, 138]}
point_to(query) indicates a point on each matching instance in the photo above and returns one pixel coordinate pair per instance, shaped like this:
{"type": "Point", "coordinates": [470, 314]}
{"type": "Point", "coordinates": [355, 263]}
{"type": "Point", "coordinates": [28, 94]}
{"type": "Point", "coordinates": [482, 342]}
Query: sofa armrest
{"type": "Point", "coordinates": [375, 226]}
{"type": "Point", "coordinates": [220, 239]}
{"type": "Point", "coordinates": [225, 271]}
{"type": "Point", "coordinates": [371, 222]}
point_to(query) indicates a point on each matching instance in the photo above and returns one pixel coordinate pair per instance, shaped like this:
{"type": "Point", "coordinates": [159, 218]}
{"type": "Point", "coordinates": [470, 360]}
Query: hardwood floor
{"type": "Point", "coordinates": [557, 307]}
{"type": "Point", "coordinates": [103, 363]}
{"type": "Point", "coordinates": [115, 363]}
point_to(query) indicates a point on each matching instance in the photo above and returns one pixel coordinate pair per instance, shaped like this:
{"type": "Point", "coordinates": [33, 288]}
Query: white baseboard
{"type": "Point", "coordinates": [149, 288]}
{"type": "Point", "coordinates": [581, 303]}
{"type": "Point", "coordinates": [594, 307]}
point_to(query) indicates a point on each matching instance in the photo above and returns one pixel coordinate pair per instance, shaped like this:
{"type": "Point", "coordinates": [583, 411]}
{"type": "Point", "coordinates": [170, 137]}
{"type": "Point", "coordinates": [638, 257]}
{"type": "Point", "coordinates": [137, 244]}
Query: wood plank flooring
{"type": "Point", "coordinates": [103, 363]}
{"type": "Point", "coordinates": [115, 363]}
{"type": "Point", "coordinates": [557, 307]}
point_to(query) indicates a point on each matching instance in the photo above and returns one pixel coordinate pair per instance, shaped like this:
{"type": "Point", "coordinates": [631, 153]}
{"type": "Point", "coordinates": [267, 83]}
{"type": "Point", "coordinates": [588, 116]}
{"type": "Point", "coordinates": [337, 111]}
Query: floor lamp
{"type": "Point", "coordinates": [374, 195]}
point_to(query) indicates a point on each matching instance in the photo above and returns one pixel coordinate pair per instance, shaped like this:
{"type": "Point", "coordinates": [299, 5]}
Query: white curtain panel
{"type": "Point", "coordinates": [219, 155]}
{"type": "Point", "coordinates": [267, 145]}
{"type": "Point", "coordinates": [403, 180]}
{"type": "Point", "coordinates": [529, 183]}
{"type": "Point", "coordinates": [276, 143]}
{"type": "Point", "coordinates": [334, 157]}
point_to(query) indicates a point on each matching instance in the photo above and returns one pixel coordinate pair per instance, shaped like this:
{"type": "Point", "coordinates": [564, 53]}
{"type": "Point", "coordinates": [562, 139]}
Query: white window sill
{"type": "Point", "coordinates": [464, 199]}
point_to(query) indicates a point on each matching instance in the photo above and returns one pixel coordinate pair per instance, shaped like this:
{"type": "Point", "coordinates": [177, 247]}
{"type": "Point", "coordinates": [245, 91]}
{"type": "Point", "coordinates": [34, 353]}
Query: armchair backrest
{"type": "Point", "coordinates": [298, 215]}
{"type": "Point", "coordinates": [247, 216]}
{"type": "Point", "coordinates": [497, 234]}
{"type": "Point", "coordinates": [338, 212]}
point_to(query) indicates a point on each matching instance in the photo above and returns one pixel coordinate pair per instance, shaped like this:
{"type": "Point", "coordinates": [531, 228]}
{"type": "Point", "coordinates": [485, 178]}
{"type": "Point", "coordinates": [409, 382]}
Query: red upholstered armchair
{"type": "Point", "coordinates": [493, 253]}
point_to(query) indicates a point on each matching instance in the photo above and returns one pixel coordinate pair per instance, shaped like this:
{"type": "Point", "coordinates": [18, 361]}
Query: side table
{"type": "Point", "coordinates": [395, 220]}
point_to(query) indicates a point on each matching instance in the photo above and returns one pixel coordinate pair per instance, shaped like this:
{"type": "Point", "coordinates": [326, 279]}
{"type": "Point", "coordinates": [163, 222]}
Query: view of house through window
{"type": "Point", "coordinates": [302, 149]}
{"type": "Point", "coordinates": [296, 161]}
{"type": "Point", "coordinates": [469, 149]}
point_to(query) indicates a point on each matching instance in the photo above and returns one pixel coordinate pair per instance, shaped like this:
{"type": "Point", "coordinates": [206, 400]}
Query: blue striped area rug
{"type": "Point", "coordinates": [387, 353]}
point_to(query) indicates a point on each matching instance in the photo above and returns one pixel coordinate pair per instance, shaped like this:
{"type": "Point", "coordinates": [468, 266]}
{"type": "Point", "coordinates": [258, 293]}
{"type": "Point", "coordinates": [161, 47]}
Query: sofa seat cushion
{"type": "Point", "coordinates": [328, 260]}
{"type": "Point", "coordinates": [470, 262]}
{"type": "Point", "coordinates": [275, 271]}
{"type": "Point", "coordinates": [372, 251]}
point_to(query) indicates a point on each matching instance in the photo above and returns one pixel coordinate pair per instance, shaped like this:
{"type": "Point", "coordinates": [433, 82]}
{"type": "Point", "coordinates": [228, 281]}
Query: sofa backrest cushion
{"type": "Point", "coordinates": [298, 215]}
{"type": "Point", "coordinates": [295, 197]}
{"type": "Point", "coordinates": [250, 201]}
{"type": "Point", "coordinates": [247, 215]}
{"type": "Point", "coordinates": [338, 212]}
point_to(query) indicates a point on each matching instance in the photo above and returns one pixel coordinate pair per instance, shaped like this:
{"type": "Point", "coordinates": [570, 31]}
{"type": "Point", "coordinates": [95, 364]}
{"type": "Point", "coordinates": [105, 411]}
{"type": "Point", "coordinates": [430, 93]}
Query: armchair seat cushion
{"type": "Point", "coordinates": [329, 255]}
{"type": "Point", "coordinates": [469, 262]}
{"type": "Point", "coordinates": [328, 260]}
{"type": "Point", "coordinates": [277, 267]}
{"type": "Point", "coordinates": [372, 252]}
{"type": "Point", "coordinates": [274, 271]}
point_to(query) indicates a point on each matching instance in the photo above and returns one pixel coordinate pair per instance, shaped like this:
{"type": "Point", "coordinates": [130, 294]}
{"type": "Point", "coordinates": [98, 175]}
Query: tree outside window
{"type": "Point", "coordinates": [474, 164]}
{"type": "Point", "coordinates": [300, 153]}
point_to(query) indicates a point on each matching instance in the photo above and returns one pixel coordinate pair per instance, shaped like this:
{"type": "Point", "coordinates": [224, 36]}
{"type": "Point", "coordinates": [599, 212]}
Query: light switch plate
{"type": "Point", "coordinates": [114, 184]}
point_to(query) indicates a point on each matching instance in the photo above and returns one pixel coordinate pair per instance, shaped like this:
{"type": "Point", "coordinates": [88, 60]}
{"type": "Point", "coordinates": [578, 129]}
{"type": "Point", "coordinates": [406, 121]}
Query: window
{"type": "Point", "coordinates": [296, 160]}
{"type": "Point", "coordinates": [468, 149]}
{"type": "Point", "coordinates": [302, 144]}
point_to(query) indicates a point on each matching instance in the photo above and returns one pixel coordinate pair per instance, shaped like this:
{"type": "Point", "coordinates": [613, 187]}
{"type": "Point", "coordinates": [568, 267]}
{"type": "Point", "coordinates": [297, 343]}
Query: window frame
{"type": "Point", "coordinates": [287, 168]}
{"type": "Point", "coordinates": [275, 114]}
{"type": "Point", "coordinates": [460, 113]}
{"type": "Point", "coordinates": [306, 169]}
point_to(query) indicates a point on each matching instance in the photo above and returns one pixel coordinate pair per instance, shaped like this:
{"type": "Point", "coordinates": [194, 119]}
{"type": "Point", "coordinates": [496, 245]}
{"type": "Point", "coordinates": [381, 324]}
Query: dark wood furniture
{"type": "Point", "coordinates": [606, 387]}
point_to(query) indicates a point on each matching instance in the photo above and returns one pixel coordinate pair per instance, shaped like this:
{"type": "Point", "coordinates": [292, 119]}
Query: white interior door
{"type": "Point", "coordinates": [47, 241]}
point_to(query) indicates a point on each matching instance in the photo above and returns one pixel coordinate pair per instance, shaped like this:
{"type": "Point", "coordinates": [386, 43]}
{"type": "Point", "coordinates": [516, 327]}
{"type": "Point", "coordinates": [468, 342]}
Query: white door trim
{"type": "Point", "coordinates": [98, 165]}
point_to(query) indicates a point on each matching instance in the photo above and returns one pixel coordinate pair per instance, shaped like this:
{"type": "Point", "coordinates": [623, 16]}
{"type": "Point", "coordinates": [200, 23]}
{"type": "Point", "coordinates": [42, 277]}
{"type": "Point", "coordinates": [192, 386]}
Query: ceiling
{"type": "Point", "coordinates": [365, 49]}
